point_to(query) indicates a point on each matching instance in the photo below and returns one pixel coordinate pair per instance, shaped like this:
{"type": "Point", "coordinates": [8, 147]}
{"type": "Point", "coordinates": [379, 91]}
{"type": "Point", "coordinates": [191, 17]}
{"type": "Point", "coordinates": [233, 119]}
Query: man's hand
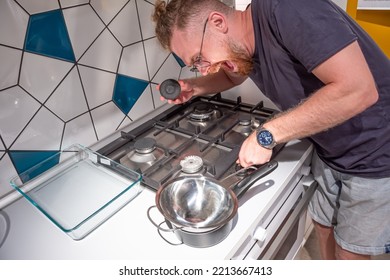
{"type": "Point", "coordinates": [251, 153]}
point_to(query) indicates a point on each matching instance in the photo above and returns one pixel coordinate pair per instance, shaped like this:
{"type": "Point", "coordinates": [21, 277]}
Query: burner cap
{"type": "Point", "coordinates": [170, 89]}
{"type": "Point", "coordinates": [245, 119]}
{"type": "Point", "coordinates": [191, 164]}
{"type": "Point", "coordinates": [202, 112]}
{"type": "Point", "coordinates": [145, 145]}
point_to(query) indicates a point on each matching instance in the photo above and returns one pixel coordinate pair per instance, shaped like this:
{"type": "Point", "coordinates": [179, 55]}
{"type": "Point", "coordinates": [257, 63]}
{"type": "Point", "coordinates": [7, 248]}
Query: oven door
{"type": "Point", "coordinates": [283, 235]}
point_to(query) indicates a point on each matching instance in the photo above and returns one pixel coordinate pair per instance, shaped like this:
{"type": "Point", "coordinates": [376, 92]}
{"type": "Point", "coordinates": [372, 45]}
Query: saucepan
{"type": "Point", "coordinates": [199, 209]}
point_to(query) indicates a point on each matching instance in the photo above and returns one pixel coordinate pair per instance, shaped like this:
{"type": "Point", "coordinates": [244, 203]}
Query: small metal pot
{"type": "Point", "coordinates": [198, 207]}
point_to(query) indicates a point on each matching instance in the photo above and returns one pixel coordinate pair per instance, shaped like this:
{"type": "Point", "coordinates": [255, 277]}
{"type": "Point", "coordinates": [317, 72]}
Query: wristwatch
{"type": "Point", "coordinates": [265, 138]}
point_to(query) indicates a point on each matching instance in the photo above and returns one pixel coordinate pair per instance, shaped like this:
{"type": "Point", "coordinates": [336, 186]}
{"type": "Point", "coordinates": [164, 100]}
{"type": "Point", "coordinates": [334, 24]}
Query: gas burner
{"type": "Point", "coordinates": [191, 164]}
{"type": "Point", "coordinates": [145, 145]}
{"type": "Point", "coordinates": [144, 152]}
{"type": "Point", "coordinates": [246, 124]}
{"type": "Point", "coordinates": [202, 112]}
{"type": "Point", "coordinates": [245, 120]}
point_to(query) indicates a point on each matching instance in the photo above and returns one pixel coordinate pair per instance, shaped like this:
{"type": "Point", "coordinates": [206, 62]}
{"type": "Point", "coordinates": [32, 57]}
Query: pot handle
{"type": "Point", "coordinates": [242, 186]}
{"type": "Point", "coordinates": [166, 240]}
{"type": "Point", "coordinates": [158, 226]}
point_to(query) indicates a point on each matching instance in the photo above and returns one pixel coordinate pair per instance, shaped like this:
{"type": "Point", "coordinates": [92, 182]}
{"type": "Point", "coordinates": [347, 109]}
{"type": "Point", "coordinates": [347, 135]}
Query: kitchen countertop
{"type": "Point", "coordinates": [130, 235]}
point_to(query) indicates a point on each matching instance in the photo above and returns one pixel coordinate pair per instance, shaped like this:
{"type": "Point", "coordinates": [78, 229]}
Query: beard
{"type": "Point", "coordinates": [237, 56]}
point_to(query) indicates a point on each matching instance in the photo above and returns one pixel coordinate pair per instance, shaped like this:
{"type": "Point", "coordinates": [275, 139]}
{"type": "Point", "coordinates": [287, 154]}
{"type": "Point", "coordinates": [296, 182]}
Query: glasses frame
{"type": "Point", "coordinates": [199, 63]}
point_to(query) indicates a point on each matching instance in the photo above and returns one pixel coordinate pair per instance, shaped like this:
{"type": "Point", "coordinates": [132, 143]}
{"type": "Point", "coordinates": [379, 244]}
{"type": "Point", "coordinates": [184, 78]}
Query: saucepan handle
{"type": "Point", "coordinates": [158, 226]}
{"type": "Point", "coordinates": [242, 186]}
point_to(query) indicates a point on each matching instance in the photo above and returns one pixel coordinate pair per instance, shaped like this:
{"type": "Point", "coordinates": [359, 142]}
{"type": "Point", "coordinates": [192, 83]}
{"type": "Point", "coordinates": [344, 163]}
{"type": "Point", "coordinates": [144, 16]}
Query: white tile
{"type": "Point", "coordinates": [341, 3]}
{"type": "Point", "coordinates": [16, 110]}
{"type": "Point", "coordinates": [107, 9]}
{"type": "Point", "coordinates": [7, 171]}
{"type": "Point", "coordinates": [68, 100]}
{"type": "Point", "coordinates": [104, 53]}
{"type": "Point", "coordinates": [143, 106]}
{"type": "Point", "coordinates": [13, 24]}
{"type": "Point", "coordinates": [1, 147]}
{"type": "Point", "coordinates": [70, 3]}
{"type": "Point", "coordinates": [125, 25]}
{"type": "Point", "coordinates": [9, 66]}
{"type": "Point", "coordinates": [83, 27]}
{"type": "Point", "coordinates": [133, 62]}
{"type": "Point", "coordinates": [98, 85]}
{"type": "Point", "coordinates": [41, 83]}
{"type": "Point", "coordinates": [106, 119]}
{"type": "Point", "coordinates": [39, 6]}
{"type": "Point", "coordinates": [156, 97]}
{"type": "Point", "coordinates": [44, 132]}
{"type": "Point", "coordinates": [155, 56]}
{"type": "Point", "coordinates": [79, 130]}
{"type": "Point", "coordinates": [169, 70]}
{"type": "Point", "coordinates": [242, 90]}
{"type": "Point", "coordinates": [145, 10]}
{"type": "Point", "coordinates": [125, 123]}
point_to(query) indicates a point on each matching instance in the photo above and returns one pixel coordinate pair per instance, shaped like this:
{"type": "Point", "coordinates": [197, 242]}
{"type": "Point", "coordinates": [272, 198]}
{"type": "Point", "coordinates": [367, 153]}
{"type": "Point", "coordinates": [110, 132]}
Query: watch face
{"type": "Point", "coordinates": [265, 138]}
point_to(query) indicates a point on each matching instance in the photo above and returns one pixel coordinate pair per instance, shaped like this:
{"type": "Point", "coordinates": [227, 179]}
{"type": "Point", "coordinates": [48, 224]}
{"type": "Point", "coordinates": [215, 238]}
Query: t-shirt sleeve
{"type": "Point", "coordinates": [311, 30]}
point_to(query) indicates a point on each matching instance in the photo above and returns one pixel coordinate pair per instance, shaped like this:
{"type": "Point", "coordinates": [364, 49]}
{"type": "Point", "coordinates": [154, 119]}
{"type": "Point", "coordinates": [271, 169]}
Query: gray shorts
{"type": "Point", "coordinates": [357, 208]}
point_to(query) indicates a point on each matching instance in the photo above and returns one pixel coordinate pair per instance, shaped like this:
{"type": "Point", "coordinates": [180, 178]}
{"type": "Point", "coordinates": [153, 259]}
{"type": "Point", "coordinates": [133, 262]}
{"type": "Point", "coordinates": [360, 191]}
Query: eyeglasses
{"type": "Point", "coordinates": [199, 63]}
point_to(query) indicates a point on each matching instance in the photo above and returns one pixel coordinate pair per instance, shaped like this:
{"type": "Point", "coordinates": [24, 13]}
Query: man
{"type": "Point", "coordinates": [331, 82]}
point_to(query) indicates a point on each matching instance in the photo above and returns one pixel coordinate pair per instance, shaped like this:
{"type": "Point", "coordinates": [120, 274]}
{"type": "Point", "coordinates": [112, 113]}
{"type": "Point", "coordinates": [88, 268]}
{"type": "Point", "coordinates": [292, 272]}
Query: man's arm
{"type": "Point", "coordinates": [349, 89]}
{"type": "Point", "coordinates": [212, 83]}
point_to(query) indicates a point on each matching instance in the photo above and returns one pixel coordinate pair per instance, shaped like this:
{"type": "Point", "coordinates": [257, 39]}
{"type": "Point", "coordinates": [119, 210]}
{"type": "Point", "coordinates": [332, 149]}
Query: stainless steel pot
{"type": "Point", "coordinates": [198, 207]}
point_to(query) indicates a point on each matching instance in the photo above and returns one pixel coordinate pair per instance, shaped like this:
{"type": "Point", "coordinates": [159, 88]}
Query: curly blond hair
{"type": "Point", "coordinates": [182, 14]}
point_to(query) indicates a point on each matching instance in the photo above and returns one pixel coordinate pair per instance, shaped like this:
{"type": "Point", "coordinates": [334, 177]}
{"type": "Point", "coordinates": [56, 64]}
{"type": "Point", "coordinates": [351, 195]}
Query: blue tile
{"type": "Point", "coordinates": [178, 59]}
{"type": "Point", "coordinates": [47, 35]}
{"type": "Point", "coordinates": [127, 91]}
{"type": "Point", "coordinates": [24, 160]}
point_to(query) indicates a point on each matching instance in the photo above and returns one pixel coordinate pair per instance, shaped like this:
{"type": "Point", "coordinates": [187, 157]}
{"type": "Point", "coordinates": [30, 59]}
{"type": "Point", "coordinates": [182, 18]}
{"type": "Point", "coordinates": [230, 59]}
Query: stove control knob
{"type": "Point", "coordinates": [170, 89]}
{"type": "Point", "coordinates": [260, 234]}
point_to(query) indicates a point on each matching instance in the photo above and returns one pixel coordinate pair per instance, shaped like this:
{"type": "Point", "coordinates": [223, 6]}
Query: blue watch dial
{"type": "Point", "coordinates": [265, 138]}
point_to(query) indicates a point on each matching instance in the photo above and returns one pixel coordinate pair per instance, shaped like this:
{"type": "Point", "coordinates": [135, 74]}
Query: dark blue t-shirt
{"type": "Point", "coordinates": [292, 38]}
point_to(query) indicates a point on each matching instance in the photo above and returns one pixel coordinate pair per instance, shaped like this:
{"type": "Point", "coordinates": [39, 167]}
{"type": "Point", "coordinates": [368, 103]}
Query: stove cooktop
{"type": "Point", "coordinates": [202, 136]}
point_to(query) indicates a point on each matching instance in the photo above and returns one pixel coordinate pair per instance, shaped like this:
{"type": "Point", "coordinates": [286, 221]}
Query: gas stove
{"type": "Point", "coordinates": [202, 136]}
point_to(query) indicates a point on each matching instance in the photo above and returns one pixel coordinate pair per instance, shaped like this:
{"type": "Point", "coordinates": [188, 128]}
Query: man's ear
{"type": "Point", "coordinates": [218, 21]}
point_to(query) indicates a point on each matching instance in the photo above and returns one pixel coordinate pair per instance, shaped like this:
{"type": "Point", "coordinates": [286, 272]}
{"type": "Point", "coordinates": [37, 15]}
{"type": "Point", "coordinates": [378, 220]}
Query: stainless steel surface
{"type": "Point", "coordinates": [202, 136]}
{"type": "Point", "coordinates": [197, 202]}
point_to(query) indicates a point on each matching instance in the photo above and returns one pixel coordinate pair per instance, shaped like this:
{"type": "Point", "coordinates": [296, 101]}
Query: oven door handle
{"type": "Point", "coordinates": [310, 185]}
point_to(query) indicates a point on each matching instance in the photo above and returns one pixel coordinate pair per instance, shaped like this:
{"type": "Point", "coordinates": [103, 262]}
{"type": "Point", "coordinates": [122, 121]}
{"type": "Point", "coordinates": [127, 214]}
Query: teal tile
{"type": "Point", "coordinates": [178, 59]}
{"type": "Point", "coordinates": [127, 90]}
{"type": "Point", "coordinates": [24, 160]}
{"type": "Point", "coordinates": [47, 35]}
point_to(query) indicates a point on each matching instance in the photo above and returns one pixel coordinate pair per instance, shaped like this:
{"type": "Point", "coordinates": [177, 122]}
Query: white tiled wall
{"type": "Point", "coordinates": [49, 103]}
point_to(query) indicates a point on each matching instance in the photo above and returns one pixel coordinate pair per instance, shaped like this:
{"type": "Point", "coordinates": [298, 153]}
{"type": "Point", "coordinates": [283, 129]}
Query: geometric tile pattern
{"type": "Point", "coordinates": [127, 91]}
{"type": "Point", "coordinates": [47, 35]}
{"type": "Point", "coordinates": [74, 71]}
